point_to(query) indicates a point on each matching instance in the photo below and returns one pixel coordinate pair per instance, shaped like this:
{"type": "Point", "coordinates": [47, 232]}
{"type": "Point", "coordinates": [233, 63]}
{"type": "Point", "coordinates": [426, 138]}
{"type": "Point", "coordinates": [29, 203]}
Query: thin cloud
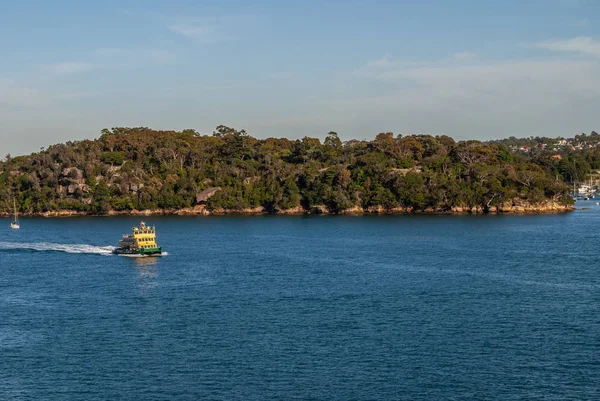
{"type": "Point", "coordinates": [69, 67]}
{"type": "Point", "coordinates": [109, 52]}
{"type": "Point", "coordinates": [491, 77]}
{"type": "Point", "coordinates": [472, 97]}
{"type": "Point", "coordinates": [161, 56]}
{"type": "Point", "coordinates": [386, 65]}
{"type": "Point", "coordinates": [192, 31]}
{"type": "Point", "coordinates": [216, 28]}
{"type": "Point", "coordinates": [122, 57]}
{"type": "Point", "coordinates": [582, 23]}
{"type": "Point", "coordinates": [75, 95]}
{"type": "Point", "coordinates": [383, 62]}
{"type": "Point", "coordinates": [283, 75]}
{"type": "Point", "coordinates": [19, 96]}
{"type": "Point", "coordinates": [463, 56]}
{"type": "Point", "coordinates": [581, 44]}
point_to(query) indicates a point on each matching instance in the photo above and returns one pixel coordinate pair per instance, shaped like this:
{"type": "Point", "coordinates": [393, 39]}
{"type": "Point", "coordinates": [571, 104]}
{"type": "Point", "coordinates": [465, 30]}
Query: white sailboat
{"type": "Point", "coordinates": [15, 223]}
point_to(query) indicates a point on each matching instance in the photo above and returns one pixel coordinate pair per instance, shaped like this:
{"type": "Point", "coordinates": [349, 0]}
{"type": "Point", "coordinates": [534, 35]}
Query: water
{"type": "Point", "coordinates": [307, 308]}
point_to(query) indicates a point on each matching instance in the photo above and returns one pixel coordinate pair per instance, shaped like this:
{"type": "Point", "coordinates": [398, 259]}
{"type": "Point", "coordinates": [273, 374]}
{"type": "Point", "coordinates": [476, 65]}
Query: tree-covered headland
{"type": "Point", "coordinates": [134, 169]}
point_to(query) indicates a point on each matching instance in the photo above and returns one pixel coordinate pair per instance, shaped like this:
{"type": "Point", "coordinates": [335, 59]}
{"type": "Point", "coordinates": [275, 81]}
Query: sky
{"type": "Point", "coordinates": [470, 69]}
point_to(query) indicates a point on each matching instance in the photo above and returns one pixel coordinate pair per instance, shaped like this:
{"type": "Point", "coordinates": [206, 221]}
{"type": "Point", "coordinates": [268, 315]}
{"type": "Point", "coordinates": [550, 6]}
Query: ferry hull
{"type": "Point", "coordinates": [141, 252]}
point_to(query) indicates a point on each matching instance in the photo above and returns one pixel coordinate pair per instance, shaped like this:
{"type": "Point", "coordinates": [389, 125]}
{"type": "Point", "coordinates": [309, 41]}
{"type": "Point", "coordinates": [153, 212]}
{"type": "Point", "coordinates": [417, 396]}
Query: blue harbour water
{"type": "Point", "coordinates": [306, 308]}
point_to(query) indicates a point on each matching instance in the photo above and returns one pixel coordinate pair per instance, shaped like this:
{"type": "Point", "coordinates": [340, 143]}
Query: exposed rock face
{"type": "Point", "coordinates": [135, 187]}
{"type": "Point", "coordinates": [375, 210]}
{"type": "Point", "coordinates": [251, 180]}
{"type": "Point", "coordinates": [61, 213]}
{"type": "Point", "coordinates": [544, 207]}
{"type": "Point", "coordinates": [113, 169]}
{"type": "Point", "coordinates": [72, 172]}
{"type": "Point", "coordinates": [71, 180]}
{"type": "Point", "coordinates": [254, 210]}
{"type": "Point", "coordinates": [515, 207]}
{"type": "Point", "coordinates": [354, 210]}
{"type": "Point", "coordinates": [203, 196]}
{"type": "Point", "coordinates": [71, 189]}
{"type": "Point", "coordinates": [294, 210]}
{"type": "Point", "coordinates": [190, 211]}
{"type": "Point", "coordinates": [404, 171]}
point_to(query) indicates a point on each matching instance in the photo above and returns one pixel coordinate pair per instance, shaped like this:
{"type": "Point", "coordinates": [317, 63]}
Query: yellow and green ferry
{"type": "Point", "coordinates": [141, 241]}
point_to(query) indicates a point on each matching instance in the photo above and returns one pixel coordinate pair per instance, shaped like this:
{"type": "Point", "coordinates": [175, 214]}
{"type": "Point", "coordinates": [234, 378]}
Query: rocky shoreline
{"type": "Point", "coordinates": [515, 207]}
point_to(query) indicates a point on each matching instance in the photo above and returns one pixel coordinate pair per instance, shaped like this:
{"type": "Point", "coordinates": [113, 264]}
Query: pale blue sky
{"type": "Point", "coordinates": [468, 69]}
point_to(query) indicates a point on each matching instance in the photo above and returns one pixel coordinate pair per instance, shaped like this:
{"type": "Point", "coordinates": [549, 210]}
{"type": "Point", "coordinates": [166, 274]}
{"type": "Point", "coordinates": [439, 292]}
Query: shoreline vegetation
{"type": "Point", "coordinates": [509, 208]}
{"type": "Point", "coordinates": [140, 171]}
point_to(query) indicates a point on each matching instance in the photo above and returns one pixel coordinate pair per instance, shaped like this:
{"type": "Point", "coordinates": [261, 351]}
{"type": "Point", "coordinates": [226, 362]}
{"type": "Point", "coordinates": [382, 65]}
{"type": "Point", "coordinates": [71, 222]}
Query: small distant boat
{"type": "Point", "coordinates": [15, 223]}
{"type": "Point", "coordinates": [141, 241]}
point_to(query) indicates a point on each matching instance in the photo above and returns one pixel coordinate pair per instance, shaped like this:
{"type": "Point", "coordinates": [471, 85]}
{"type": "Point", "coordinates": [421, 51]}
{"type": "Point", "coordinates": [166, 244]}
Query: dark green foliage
{"type": "Point", "coordinates": [113, 158]}
{"type": "Point", "coordinates": [140, 168]}
{"type": "Point", "coordinates": [100, 198]}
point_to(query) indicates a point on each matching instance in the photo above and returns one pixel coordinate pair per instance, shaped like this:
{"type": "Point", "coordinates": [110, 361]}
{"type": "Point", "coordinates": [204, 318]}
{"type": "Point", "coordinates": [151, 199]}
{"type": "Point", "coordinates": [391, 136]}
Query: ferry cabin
{"type": "Point", "coordinates": [145, 237]}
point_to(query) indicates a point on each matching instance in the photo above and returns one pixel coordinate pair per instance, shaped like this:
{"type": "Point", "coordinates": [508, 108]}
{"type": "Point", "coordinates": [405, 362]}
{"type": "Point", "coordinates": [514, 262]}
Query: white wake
{"type": "Point", "coordinates": [143, 256]}
{"type": "Point", "coordinates": [49, 246]}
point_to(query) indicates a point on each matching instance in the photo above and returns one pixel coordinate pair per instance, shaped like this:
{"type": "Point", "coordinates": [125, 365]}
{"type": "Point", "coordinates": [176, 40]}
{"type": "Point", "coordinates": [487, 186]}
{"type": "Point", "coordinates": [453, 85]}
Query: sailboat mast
{"type": "Point", "coordinates": [15, 208]}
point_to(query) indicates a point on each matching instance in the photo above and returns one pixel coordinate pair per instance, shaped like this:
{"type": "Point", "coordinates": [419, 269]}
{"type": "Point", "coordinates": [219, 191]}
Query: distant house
{"type": "Point", "coordinates": [562, 142]}
{"type": "Point", "coordinates": [525, 148]}
{"type": "Point", "coordinates": [557, 157]}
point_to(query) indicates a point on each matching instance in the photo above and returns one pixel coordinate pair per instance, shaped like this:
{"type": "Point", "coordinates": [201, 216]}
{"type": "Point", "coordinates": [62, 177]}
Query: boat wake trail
{"type": "Point", "coordinates": [144, 256]}
{"type": "Point", "coordinates": [49, 246]}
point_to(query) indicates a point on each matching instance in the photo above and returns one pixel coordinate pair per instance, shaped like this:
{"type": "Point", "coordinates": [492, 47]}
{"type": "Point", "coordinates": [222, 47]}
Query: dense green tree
{"type": "Point", "coordinates": [141, 168]}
